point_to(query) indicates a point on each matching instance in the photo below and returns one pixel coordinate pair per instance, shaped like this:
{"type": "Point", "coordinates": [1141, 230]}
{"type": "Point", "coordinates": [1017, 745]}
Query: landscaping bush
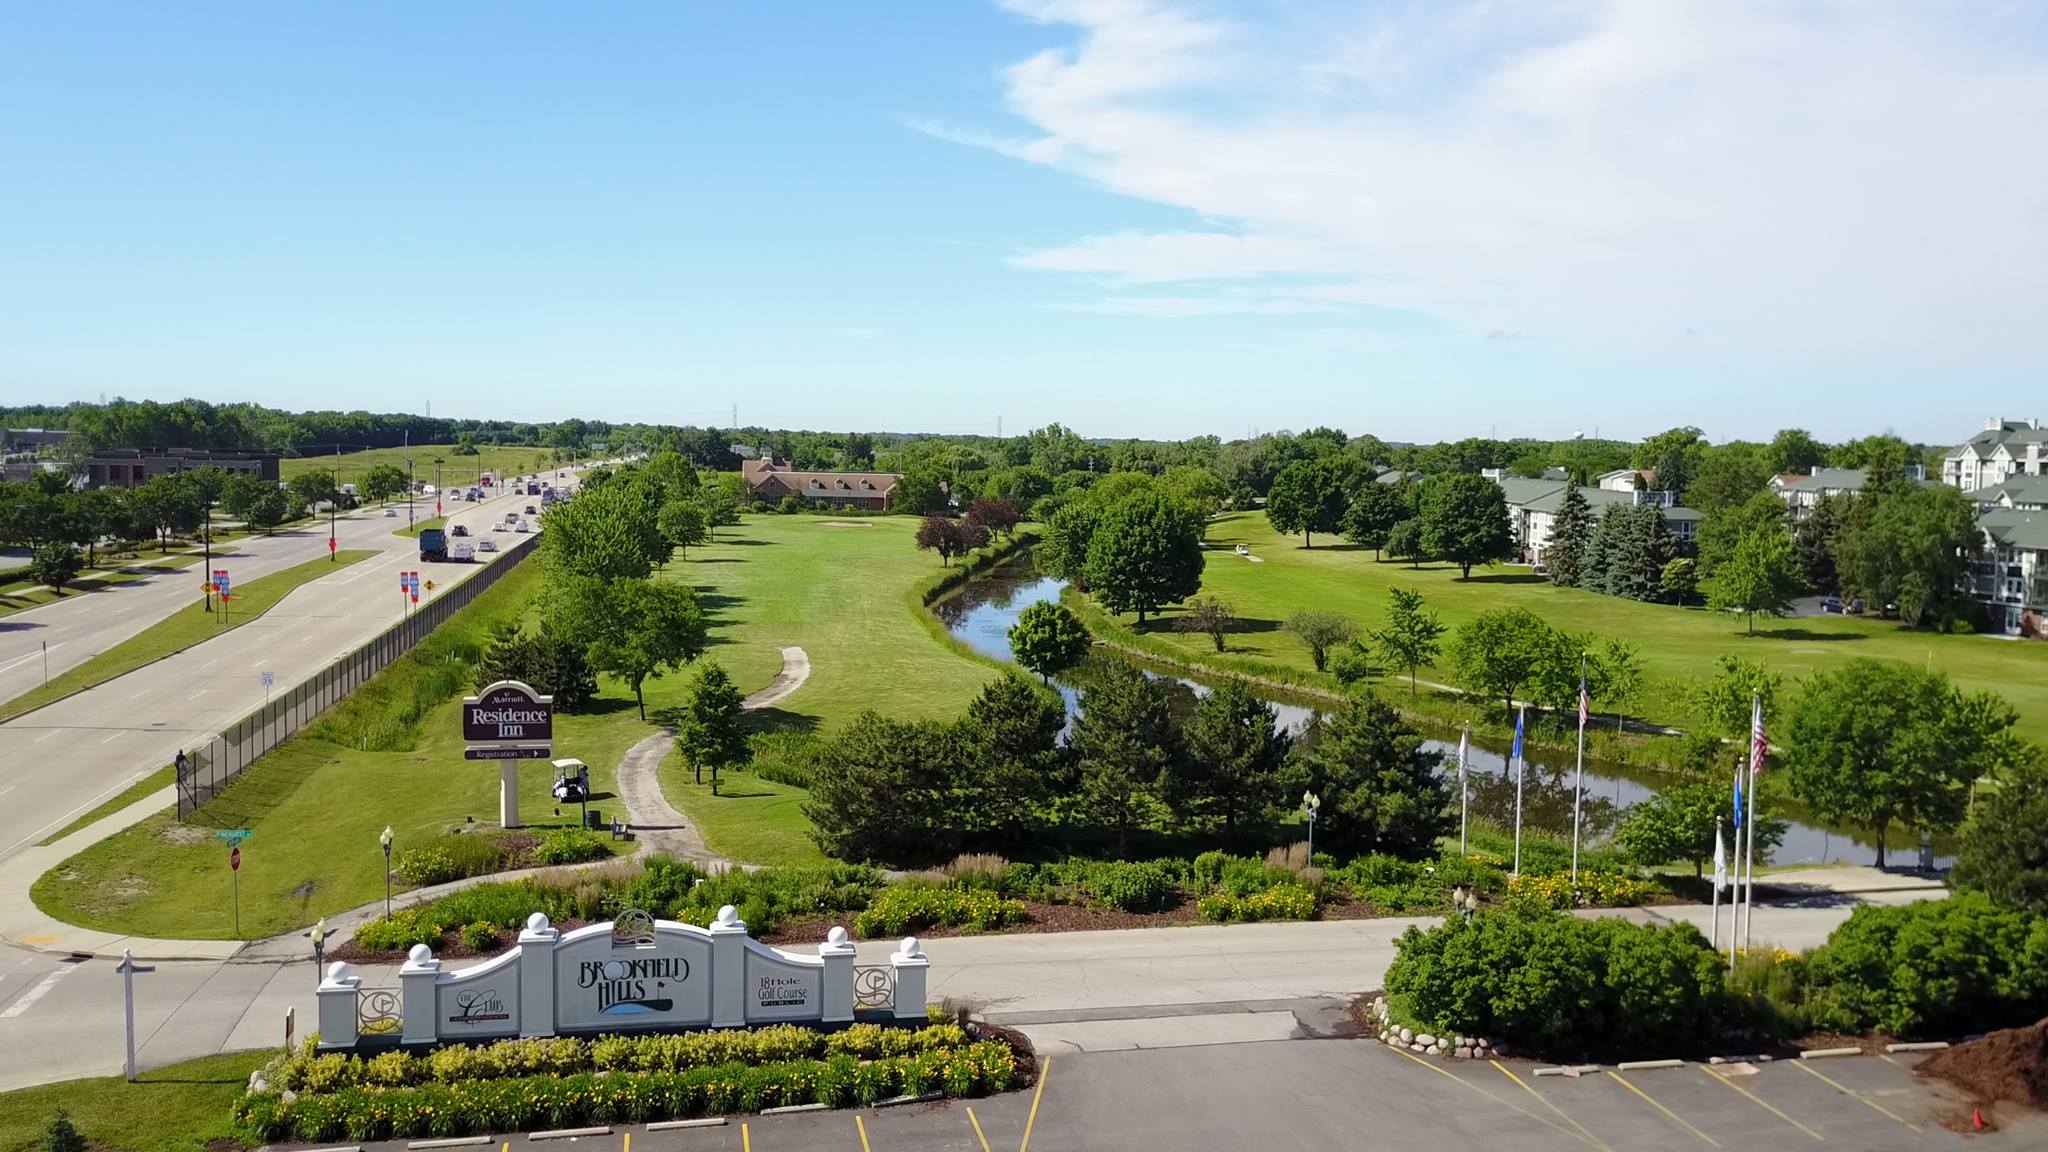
{"type": "Point", "coordinates": [1130, 887]}
{"type": "Point", "coordinates": [451, 858]}
{"type": "Point", "coordinates": [1595, 889]}
{"type": "Point", "coordinates": [1562, 985]}
{"type": "Point", "coordinates": [1935, 967]}
{"type": "Point", "coordinates": [765, 899]}
{"type": "Point", "coordinates": [913, 907]}
{"type": "Point", "coordinates": [478, 936]}
{"type": "Point", "coordinates": [1285, 901]}
{"type": "Point", "coordinates": [570, 846]}
{"type": "Point", "coordinates": [1391, 884]}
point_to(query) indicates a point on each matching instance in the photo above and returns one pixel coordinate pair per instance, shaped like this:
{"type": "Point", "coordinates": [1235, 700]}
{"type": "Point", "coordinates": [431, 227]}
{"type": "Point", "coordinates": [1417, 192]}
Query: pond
{"type": "Point", "coordinates": [982, 613]}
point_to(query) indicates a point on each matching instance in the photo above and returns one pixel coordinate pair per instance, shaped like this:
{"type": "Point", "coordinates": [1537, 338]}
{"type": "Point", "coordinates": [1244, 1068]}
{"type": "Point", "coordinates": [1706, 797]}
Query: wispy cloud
{"type": "Point", "coordinates": [1837, 181]}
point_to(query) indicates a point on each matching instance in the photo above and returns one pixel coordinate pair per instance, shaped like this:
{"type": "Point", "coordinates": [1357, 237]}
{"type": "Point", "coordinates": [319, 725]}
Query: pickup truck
{"type": "Point", "coordinates": [433, 545]}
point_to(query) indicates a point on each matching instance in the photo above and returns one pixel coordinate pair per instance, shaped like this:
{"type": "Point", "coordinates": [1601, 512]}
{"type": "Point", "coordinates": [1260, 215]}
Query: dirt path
{"type": "Point", "coordinates": [796, 668]}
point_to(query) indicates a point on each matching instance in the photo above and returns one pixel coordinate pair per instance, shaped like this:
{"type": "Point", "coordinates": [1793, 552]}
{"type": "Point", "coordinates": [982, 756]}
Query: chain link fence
{"type": "Point", "coordinates": [210, 767]}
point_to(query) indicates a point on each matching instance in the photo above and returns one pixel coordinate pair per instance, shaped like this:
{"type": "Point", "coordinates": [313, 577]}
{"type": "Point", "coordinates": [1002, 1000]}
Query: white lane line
{"type": "Point", "coordinates": [115, 736]}
{"type": "Point", "coordinates": [36, 993]}
{"type": "Point", "coordinates": [141, 694]}
{"type": "Point", "coordinates": [196, 695]}
{"type": "Point", "coordinates": [211, 663]}
{"type": "Point", "coordinates": [46, 736]}
{"type": "Point", "coordinates": [260, 663]}
{"type": "Point", "coordinates": [6, 790]}
{"type": "Point", "coordinates": [37, 654]}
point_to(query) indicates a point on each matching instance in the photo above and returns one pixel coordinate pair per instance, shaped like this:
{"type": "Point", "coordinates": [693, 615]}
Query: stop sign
{"type": "Point", "coordinates": [235, 859]}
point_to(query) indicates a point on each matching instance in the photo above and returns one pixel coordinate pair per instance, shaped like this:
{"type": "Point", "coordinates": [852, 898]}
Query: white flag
{"type": "Point", "coordinates": [1720, 863]}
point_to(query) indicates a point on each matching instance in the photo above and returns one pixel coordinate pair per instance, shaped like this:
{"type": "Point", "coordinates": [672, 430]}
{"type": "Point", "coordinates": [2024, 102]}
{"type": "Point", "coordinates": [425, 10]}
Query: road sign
{"type": "Point", "coordinates": [330, 543]}
{"type": "Point", "coordinates": [506, 753]}
{"type": "Point", "coordinates": [235, 859]}
{"type": "Point", "coordinates": [269, 679]}
{"type": "Point", "coordinates": [233, 835]}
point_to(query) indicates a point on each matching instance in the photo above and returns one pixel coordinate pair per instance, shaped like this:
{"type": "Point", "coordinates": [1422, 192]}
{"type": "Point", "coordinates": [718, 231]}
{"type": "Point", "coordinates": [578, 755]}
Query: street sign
{"type": "Point", "coordinates": [235, 859]}
{"type": "Point", "coordinates": [233, 836]}
{"type": "Point", "coordinates": [269, 679]}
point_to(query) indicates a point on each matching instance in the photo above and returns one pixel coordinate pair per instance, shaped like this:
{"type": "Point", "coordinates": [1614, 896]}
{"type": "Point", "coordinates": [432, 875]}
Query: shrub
{"type": "Point", "coordinates": [1130, 887]}
{"type": "Point", "coordinates": [1597, 889]}
{"type": "Point", "coordinates": [570, 846]}
{"type": "Point", "coordinates": [912, 907]}
{"type": "Point", "coordinates": [1280, 902]}
{"type": "Point", "coordinates": [1935, 967]}
{"type": "Point", "coordinates": [60, 1135]}
{"type": "Point", "coordinates": [978, 870]}
{"type": "Point", "coordinates": [478, 936]}
{"type": "Point", "coordinates": [450, 858]}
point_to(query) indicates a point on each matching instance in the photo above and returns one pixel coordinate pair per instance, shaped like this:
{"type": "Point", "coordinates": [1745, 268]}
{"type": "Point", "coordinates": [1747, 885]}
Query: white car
{"type": "Point", "coordinates": [497, 527]}
{"type": "Point", "coordinates": [487, 545]}
{"type": "Point", "coordinates": [391, 511]}
{"type": "Point", "coordinates": [519, 527]}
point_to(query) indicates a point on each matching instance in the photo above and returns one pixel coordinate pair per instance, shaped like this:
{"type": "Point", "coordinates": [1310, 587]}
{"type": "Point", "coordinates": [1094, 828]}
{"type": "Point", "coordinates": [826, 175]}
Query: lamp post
{"type": "Point", "coordinates": [384, 838]}
{"type": "Point", "coordinates": [318, 934]}
{"type": "Point", "coordinates": [1310, 803]}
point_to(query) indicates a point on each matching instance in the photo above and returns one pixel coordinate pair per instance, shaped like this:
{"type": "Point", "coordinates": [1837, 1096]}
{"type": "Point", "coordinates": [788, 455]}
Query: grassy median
{"type": "Point", "coordinates": [186, 1107]}
{"type": "Point", "coordinates": [19, 590]}
{"type": "Point", "coordinates": [189, 625]}
{"type": "Point", "coordinates": [499, 460]}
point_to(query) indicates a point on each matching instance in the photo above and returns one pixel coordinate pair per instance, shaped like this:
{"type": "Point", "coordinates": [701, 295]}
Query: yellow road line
{"type": "Point", "coordinates": [860, 1127]}
{"type": "Point", "coordinates": [1845, 1090]}
{"type": "Point", "coordinates": [1654, 1103]}
{"type": "Point", "coordinates": [1498, 1099]}
{"type": "Point", "coordinates": [746, 1141]}
{"type": "Point", "coordinates": [978, 1134]}
{"type": "Point", "coordinates": [1044, 1074]}
{"type": "Point", "coordinates": [628, 1146]}
{"type": "Point", "coordinates": [1552, 1105]}
{"type": "Point", "coordinates": [1765, 1104]}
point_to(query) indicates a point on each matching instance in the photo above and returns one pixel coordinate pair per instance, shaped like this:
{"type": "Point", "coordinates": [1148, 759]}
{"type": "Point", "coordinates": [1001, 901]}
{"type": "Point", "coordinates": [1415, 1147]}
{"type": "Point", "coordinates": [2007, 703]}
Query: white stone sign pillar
{"type": "Point", "coordinates": [728, 969]}
{"type": "Point", "coordinates": [836, 986]}
{"type": "Point", "coordinates": [508, 793]}
{"type": "Point", "coordinates": [537, 977]}
{"type": "Point", "coordinates": [416, 995]}
{"type": "Point", "coordinates": [913, 970]}
{"type": "Point", "coordinates": [337, 996]}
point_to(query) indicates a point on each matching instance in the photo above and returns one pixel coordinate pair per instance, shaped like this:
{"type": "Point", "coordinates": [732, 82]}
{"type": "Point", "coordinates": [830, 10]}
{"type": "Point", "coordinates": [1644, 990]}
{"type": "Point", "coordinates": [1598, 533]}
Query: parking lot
{"type": "Point", "coordinates": [1308, 1094]}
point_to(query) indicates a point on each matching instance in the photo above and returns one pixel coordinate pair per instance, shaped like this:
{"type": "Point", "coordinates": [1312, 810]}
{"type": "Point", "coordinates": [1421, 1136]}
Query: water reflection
{"type": "Point", "coordinates": [982, 613]}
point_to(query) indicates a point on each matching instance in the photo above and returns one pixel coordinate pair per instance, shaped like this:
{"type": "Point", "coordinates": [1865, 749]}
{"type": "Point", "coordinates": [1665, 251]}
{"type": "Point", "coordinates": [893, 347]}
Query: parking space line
{"type": "Point", "coordinates": [746, 1141]}
{"type": "Point", "coordinates": [1853, 1094]}
{"type": "Point", "coordinates": [1044, 1074]}
{"type": "Point", "coordinates": [1552, 1105]}
{"type": "Point", "coordinates": [1658, 1105]}
{"type": "Point", "coordinates": [859, 1127]}
{"type": "Point", "coordinates": [1765, 1104]}
{"type": "Point", "coordinates": [978, 1134]}
{"type": "Point", "coordinates": [1498, 1099]}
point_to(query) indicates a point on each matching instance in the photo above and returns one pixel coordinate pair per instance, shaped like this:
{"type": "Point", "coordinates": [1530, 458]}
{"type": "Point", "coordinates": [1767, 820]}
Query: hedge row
{"type": "Point", "coordinates": [361, 1113]}
{"type": "Point", "coordinates": [307, 1070]}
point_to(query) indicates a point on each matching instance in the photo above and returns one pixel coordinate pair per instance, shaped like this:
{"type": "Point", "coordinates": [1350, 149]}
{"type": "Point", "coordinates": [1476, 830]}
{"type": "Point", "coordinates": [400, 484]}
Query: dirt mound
{"type": "Point", "coordinates": [2011, 1065]}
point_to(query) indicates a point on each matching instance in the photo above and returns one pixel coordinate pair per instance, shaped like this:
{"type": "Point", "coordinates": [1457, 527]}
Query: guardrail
{"type": "Point", "coordinates": [210, 767]}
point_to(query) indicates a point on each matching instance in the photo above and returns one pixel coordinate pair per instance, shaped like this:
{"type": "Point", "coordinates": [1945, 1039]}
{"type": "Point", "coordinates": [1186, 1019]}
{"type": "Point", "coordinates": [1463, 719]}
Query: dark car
{"type": "Point", "coordinates": [1831, 604]}
{"type": "Point", "coordinates": [458, 530]}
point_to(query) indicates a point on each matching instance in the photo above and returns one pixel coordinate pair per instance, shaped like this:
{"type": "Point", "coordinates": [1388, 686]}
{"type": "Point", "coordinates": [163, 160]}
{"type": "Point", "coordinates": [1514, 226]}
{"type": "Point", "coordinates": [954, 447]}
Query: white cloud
{"type": "Point", "coordinates": [1837, 182]}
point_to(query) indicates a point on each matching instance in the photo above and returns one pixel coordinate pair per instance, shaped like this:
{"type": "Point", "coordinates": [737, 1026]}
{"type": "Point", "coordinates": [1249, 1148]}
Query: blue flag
{"type": "Point", "coordinates": [1738, 800]}
{"type": "Point", "coordinates": [1517, 753]}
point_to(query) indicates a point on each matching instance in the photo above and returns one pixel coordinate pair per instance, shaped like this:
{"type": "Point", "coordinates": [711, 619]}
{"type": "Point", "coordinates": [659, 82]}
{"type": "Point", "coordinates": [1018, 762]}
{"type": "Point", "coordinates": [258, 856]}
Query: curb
{"type": "Point", "coordinates": [570, 1133]}
{"type": "Point", "coordinates": [1647, 1065]}
{"type": "Point", "coordinates": [1918, 1046]}
{"type": "Point", "coordinates": [676, 1125]}
{"type": "Point", "coordinates": [1758, 1059]}
{"type": "Point", "coordinates": [449, 1142]}
{"type": "Point", "coordinates": [791, 1108]}
{"type": "Point", "coordinates": [1567, 1070]}
{"type": "Point", "coordinates": [920, 1098]}
{"type": "Point", "coordinates": [1829, 1053]}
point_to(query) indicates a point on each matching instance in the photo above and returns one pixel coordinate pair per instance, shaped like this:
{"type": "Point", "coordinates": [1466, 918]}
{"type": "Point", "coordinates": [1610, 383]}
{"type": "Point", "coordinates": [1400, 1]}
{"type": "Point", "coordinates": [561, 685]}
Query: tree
{"type": "Point", "coordinates": [1878, 743]}
{"type": "Point", "coordinates": [1375, 509]}
{"type": "Point", "coordinates": [1125, 741]}
{"type": "Point", "coordinates": [1723, 528]}
{"type": "Point", "coordinates": [1234, 762]}
{"type": "Point", "coordinates": [1381, 792]}
{"type": "Point", "coordinates": [543, 660]}
{"type": "Point", "coordinates": [993, 515]}
{"type": "Point", "coordinates": [1571, 531]}
{"type": "Point", "coordinates": [1011, 738]}
{"type": "Point", "coordinates": [878, 791]}
{"type": "Point", "coordinates": [1404, 542]}
{"type": "Point", "coordinates": [1413, 637]}
{"type": "Point", "coordinates": [1496, 652]}
{"type": "Point", "coordinates": [382, 482]}
{"type": "Point", "coordinates": [2003, 851]}
{"type": "Point", "coordinates": [1726, 477]}
{"type": "Point", "coordinates": [1679, 823]}
{"type": "Point", "coordinates": [1638, 546]}
{"type": "Point", "coordinates": [1622, 679]}
{"type": "Point", "coordinates": [949, 537]}
{"type": "Point", "coordinates": [708, 728]}
{"type": "Point", "coordinates": [307, 489]}
{"type": "Point", "coordinates": [1762, 576]}
{"type": "Point", "coordinates": [922, 490]}
{"type": "Point", "coordinates": [1319, 632]}
{"type": "Point", "coordinates": [166, 505]}
{"type": "Point", "coordinates": [1063, 551]}
{"type": "Point", "coordinates": [1145, 553]}
{"type": "Point", "coordinates": [638, 628]}
{"type": "Point", "coordinates": [271, 507]}
{"type": "Point", "coordinates": [1681, 580]}
{"type": "Point", "coordinates": [1465, 521]}
{"type": "Point", "coordinates": [1725, 702]}
{"type": "Point", "coordinates": [1813, 542]}
{"type": "Point", "coordinates": [55, 564]}
{"type": "Point", "coordinates": [1048, 639]}
{"type": "Point", "coordinates": [1210, 615]}
{"type": "Point", "coordinates": [1309, 496]}
{"type": "Point", "coordinates": [1905, 537]}
{"type": "Point", "coordinates": [610, 532]}
{"type": "Point", "coordinates": [1794, 450]}
{"type": "Point", "coordinates": [681, 521]}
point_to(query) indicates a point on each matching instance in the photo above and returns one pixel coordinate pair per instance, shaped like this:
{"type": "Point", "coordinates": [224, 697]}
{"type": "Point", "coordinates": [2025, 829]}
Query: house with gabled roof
{"type": "Point", "coordinates": [771, 481]}
{"type": "Point", "coordinates": [2004, 449]}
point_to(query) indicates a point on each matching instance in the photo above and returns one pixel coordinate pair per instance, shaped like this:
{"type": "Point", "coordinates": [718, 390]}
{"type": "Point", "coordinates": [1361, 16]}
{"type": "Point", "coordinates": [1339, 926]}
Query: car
{"type": "Point", "coordinates": [497, 527]}
{"type": "Point", "coordinates": [1243, 549]}
{"type": "Point", "coordinates": [487, 545]}
{"type": "Point", "coordinates": [1539, 569]}
{"type": "Point", "coordinates": [532, 511]}
{"type": "Point", "coordinates": [391, 512]}
{"type": "Point", "coordinates": [1831, 604]}
{"type": "Point", "coordinates": [519, 527]}
{"type": "Point", "coordinates": [458, 530]}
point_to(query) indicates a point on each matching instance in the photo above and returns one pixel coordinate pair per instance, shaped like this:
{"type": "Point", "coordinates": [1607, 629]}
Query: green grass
{"type": "Point", "coordinates": [189, 625]}
{"type": "Point", "coordinates": [181, 1108]}
{"type": "Point", "coordinates": [752, 820]}
{"type": "Point", "coordinates": [500, 461]}
{"type": "Point", "coordinates": [1677, 645]}
{"type": "Point", "coordinates": [20, 590]}
{"type": "Point", "coordinates": [156, 781]}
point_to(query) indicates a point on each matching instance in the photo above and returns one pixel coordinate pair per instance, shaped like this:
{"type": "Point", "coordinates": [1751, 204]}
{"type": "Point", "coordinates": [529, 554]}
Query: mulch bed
{"type": "Point", "coordinates": [2009, 1066]}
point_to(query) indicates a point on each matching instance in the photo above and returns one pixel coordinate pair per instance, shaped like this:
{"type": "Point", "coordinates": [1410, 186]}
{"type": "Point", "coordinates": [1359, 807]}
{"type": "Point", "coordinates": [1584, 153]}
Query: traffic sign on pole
{"type": "Point", "coordinates": [235, 859]}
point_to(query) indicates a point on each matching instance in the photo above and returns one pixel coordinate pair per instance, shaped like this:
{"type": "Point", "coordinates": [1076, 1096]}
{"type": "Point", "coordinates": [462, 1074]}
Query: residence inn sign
{"type": "Point", "coordinates": [508, 720]}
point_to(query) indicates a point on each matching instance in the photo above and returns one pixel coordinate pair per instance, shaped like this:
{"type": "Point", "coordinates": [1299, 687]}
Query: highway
{"type": "Point", "coordinates": [73, 754]}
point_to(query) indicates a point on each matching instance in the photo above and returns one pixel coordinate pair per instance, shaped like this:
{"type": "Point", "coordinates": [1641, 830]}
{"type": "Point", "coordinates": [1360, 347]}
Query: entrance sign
{"type": "Point", "coordinates": [636, 974]}
{"type": "Point", "coordinates": [508, 722]}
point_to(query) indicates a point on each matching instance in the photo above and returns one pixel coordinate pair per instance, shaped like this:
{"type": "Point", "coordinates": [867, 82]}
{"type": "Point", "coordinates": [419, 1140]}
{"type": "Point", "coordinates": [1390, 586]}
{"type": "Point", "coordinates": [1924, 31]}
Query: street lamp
{"type": "Point", "coordinates": [1310, 803]}
{"type": "Point", "coordinates": [1465, 901]}
{"type": "Point", "coordinates": [318, 934]}
{"type": "Point", "coordinates": [384, 838]}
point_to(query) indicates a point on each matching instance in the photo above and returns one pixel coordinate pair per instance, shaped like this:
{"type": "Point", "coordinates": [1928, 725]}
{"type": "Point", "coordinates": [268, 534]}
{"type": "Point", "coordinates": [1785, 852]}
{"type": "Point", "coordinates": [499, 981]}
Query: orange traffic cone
{"type": "Point", "coordinates": [1977, 1119]}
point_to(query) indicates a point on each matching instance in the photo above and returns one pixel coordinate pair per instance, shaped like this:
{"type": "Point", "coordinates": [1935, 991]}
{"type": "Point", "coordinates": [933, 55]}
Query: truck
{"type": "Point", "coordinates": [433, 545]}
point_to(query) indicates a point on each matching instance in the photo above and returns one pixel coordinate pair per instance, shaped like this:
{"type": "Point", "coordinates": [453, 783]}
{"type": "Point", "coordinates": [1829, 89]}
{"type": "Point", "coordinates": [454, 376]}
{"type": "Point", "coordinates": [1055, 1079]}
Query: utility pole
{"type": "Point", "coordinates": [333, 500]}
{"type": "Point", "coordinates": [408, 478]}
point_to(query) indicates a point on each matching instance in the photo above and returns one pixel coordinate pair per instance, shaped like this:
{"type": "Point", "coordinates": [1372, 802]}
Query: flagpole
{"type": "Point", "coordinates": [1735, 890]}
{"type": "Point", "coordinates": [1756, 744]}
{"type": "Point", "coordinates": [1579, 779]}
{"type": "Point", "coordinates": [1464, 795]}
{"type": "Point", "coordinates": [1521, 770]}
{"type": "Point", "coordinates": [1718, 872]}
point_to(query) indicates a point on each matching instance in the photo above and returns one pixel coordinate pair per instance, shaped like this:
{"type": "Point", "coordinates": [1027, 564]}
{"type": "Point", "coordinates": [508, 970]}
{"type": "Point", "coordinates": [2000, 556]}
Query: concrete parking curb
{"type": "Point", "coordinates": [570, 1133]}
{"type": "Point", "coordinates": [1757, 1059]}
{"type": "Point", "coordinates": [1647, 1065]}
{"type": "Point", "coordinates": [1918, 1046]}
{"type": "Point", "coordinates": [1829, 1053]}
{"type": "Point", "coordinates": [920, 1098]}
{"type": "Point", "coordinates": [794, 1108]}
{"type": "Point", "coordinates": [449, 1142]}
{"type": "Point", "coordinates": [676, 1125]}
{"type": "Point", "coordinates": [1567, 1070]}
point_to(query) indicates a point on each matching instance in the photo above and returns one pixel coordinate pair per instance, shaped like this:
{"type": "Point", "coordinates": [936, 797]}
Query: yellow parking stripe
{"type": "Point", "coordinates": [746, 1140]}
{"type": "Point", "coordinates": [1044, 1074]}
{"type": "Point", "coordinates": [860, 1127]}
{"type": "Point", "coordinates": [1552, 1105]}
{"type": "Point", "coordinates": [1654, 1103]}
{"type": "Point", "coordinates": [1765, 1104]}
{"type": "Point", "coordinates": [1845, 1090]}
{"type": "Point", "coordinates": [978, 1134]}
{"type": "Point", "coordinates": [1489, 1095]}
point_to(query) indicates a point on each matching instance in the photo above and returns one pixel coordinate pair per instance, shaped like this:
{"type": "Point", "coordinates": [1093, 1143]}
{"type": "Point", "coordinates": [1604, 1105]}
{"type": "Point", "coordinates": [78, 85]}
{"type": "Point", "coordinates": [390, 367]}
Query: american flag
{"type": "Point", "coordinates": [1758, 746]}
{"type": "Point", "coordinates": [1585, 704]}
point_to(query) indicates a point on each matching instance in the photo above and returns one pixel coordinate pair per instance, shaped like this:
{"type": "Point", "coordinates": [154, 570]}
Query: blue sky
{"type": "Point", "coordinates": [1421, 220]}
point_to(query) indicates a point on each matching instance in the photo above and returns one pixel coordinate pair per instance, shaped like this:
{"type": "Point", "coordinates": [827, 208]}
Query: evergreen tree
{"type": "Point", "coordinates": [1643, 546]}
{"type": "Point", "coordinates": [1571, 534]}
{"type": "Point", "coordinates": [1234, 759]}
{"type": "Point", "coordinates": [708, 731]}
{"type": "Point", "coordinates": [1813, 543]}
{"type": "Point", "coordinates": [879, 789]}
{"type": "Point", "coordinates": [1011, 736]}
{"type": "Point", "coordinates": [1603, 549]}
{"type": "Point", "coordinates": [1126, 744]}
{"type": "Point", "coordinates": [1381, 792]}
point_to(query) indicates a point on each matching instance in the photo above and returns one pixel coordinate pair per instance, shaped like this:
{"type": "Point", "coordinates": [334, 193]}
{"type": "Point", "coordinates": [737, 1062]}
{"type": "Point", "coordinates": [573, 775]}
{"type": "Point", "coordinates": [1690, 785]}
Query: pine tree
{"type": "Point", "coordinates": [1602, 545]}
{"type": "Point", "coordinates": [1636, 569]}
{"type": "Point", "coordinates": [1570, 538]}
{"type": "Point", "coordinates": [1813, 542]}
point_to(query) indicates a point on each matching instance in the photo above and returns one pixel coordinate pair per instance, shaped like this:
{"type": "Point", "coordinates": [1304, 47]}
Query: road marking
{"type": "Point", "coordinates": [978, 1134]}
{"type": "Point", "coordinates": [196, 695]}
{"type": "Point", "coordinates": [1839, 1087]}
{"type": "Point", "coordinates": [36, 993]}
{"type": "Point", "coordinates": [140, 695]}
{"type": "Point", "coordinates": [46, 736]}
{"type": "Point", "coordinates": [115, 736]}
{"type": "Point", "coordinates": [628, 1146]}
{"type": "Point", "coordinates": [1552, 1105]}
{"type": "Point", "coordinates": [1495, 1097]}
{"type": "Point", "coordinates": [1675, 1117]}
{"type": "Point", "coordinates": [1044, 1074]}
{"type": "Point", "coordinates": [1765, 1104]}
{"type": "Point", "coordinates": [6, 790]}
{"type": "Point", "coordinates": [858, 1127]}
{"type": "Point", "coordinates": [746, 1141]}
{"type": "Point", "coordinates": [31, 656]}
{"type": "Point", "coordinates": [260, 663]}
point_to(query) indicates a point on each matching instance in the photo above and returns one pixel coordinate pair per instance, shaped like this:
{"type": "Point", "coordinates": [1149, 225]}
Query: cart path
{"type": "Point", "coordinates": [796, 668]}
